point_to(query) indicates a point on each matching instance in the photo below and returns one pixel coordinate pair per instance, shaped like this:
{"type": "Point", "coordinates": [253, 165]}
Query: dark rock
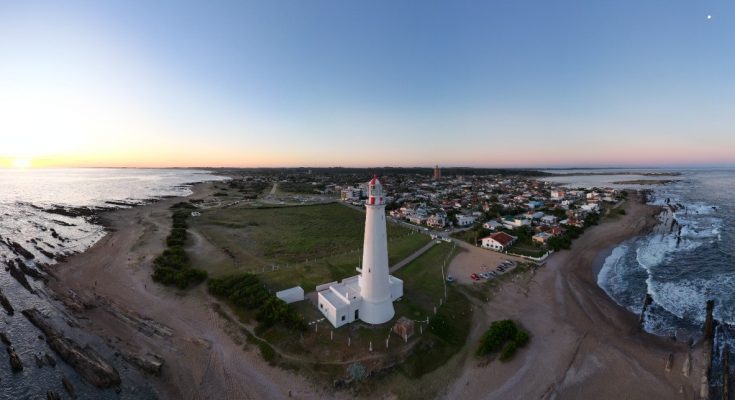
{"type": "Point", "coordinates": [39, 362]}
{"type": "Point", "coordinates": [68, 387]}
{"type": "Point", "coordinates": [15, 364]}
{"type": "Point", "coordinates": [49, 359]}
{"type": "Point", "coordinates": [32, 272]}
{"type": "Point", "coordinates": [51, 395]}
{"type": "Point", "coordinates": [19, 276]}
{"type": "Point", "coordinates": [90, 365]}
{"type": "Point", "coordinates": [20, 250]}
{"type": "Point", "coordinates": [149, 363]}
{"type": "Point", "coordinates": [4, 339]}
{"type": "Point", "coordinates": [6, 304]}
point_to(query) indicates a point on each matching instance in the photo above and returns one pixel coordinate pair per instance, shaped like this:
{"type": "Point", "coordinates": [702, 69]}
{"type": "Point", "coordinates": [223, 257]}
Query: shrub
{"type": "Point", "coordinates": [267, 352]}
{"type": "Point", "coordinates": [503, 336]}
{"type": "Point", "coordinates": [172, 267]}
{"type": "Point", "coordinates": [248, 292]}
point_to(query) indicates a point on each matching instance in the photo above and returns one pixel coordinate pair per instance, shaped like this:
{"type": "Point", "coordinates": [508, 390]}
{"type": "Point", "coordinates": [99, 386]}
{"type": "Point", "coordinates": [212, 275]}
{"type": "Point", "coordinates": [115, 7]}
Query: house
{"type": "Point", "coordinates": [466, 220]}
{"type": "Point", "coordinates": [542, 237]}
{"type": "Point", "coordinates": [556, 231]}
{"type": "Point", "coordinates": [417, 219]}
{"type": "Point", "coordinates": [549, 220]}
{"type": "Point", "coordinates": [591, 207]}
{"type": "Point", "coordinates": [351, 194]}
{"type": "Point", "coordinates": [515, 222]}
{"type": "Point", "coordinates": [557, 194]}
{"type": "Point", "coordinates": [499, 241]}
{"type": "Point", "coordinates": [436, 221]}
{"type": "Point", "coordinates": [492, 225]}
{"type": "Point", "coordinates": [535, 204]}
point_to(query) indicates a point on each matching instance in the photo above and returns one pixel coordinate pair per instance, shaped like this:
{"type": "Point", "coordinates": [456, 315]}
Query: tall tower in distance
{"type": "Point", "coordinates": [437, 173]}
{"type": "Point", "coordinates": [375, 288]}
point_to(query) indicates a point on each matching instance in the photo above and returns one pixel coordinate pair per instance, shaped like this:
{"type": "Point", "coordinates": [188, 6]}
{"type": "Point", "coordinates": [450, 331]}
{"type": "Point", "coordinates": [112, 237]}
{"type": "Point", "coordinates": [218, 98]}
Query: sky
{"type": "Point", "coordinates": [367, 83]}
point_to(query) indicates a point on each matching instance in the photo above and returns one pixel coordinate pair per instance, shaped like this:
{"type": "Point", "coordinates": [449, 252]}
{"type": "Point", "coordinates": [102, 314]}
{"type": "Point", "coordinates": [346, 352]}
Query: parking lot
{"type": "Point", "coordinates": [476, 260]}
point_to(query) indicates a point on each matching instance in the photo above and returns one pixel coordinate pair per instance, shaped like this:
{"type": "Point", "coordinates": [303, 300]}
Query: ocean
{"type": "Point", "coordinates": [45, 216]}
{"type": "Point", "coordinates": [687, 260]}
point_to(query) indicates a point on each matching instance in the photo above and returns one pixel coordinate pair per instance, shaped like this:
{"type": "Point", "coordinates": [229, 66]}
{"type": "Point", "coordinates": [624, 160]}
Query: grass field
{"type": "Point", "coordinates": [309, 245]}
{"type": "Point", "coordinates": [424, 287]}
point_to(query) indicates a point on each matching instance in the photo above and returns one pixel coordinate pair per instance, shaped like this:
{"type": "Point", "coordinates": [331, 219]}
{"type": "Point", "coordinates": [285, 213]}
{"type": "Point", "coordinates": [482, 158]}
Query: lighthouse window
{"type": "Point", "coordinates": [343, 318]}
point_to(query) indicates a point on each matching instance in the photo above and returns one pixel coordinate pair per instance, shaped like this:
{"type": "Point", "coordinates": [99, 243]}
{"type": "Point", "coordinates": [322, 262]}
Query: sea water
{"type": "Point", "coordinates": [38, 212]}
{"type": "Point", "coordinates": [682, 264]}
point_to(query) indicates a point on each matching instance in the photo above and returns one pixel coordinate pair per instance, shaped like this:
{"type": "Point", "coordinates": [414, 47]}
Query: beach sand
{"type": "Point", "coordinates": [584, 345]}
{"type": "Point", "coordinates": [204, 357]}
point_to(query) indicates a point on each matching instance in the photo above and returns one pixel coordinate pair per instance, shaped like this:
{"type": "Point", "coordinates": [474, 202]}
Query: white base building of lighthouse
{"type": "Point", "coordinates": [368, 296]}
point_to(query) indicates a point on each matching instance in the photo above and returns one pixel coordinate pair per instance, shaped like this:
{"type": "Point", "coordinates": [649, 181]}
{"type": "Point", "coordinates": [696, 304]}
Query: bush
{"type": "Point", "coordinates": [267, 352]}
{"type": "Point", "coordinates": [248, 292]}
{"type": "Point", "coordinates": [172, 267]}
{"type": "Point", "coordinates": [503, 336]}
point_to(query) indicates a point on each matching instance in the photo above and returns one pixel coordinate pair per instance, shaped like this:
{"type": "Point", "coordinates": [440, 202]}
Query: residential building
{"type": "Point", "coordinates": [499, 241]}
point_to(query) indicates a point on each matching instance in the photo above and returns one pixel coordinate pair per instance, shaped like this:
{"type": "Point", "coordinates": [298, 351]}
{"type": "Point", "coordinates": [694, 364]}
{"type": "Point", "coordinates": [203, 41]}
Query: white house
{"type": "Point", "coordinates": [492, 225]}
{"type": "Point", "coordinates": [351, 194]}
{"type": "Point", "coordinates": [499, 241]}
{"type": "Point", "coordinates": [515, 222]}
{"type": "Point", "coordinates": [549, 220]}
{"type": "Point", "coordinates": [591, 207]}
{"type": "Point", "coordinates": [466, 220]}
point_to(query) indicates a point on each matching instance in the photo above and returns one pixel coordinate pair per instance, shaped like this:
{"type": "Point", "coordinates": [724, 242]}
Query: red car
{"type": "Point", "coordinates": [475, 277]}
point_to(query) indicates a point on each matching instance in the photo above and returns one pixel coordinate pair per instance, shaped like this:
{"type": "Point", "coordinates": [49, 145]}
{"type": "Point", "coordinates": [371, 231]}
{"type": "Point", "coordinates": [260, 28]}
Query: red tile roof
{"type": "Point", "coordinates": [501, 237]}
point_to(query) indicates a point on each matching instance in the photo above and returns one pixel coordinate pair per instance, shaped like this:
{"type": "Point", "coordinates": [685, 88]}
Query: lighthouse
{"type": "Point", "coordinates": [377, 306]}
{"type": "Point", "coordinates": [368, 296]}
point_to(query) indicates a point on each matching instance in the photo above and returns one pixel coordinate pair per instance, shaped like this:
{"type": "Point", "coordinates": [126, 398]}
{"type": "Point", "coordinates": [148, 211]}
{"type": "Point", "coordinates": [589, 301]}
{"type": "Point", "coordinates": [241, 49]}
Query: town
{"type": "Point", "coordinates": [519, 214]}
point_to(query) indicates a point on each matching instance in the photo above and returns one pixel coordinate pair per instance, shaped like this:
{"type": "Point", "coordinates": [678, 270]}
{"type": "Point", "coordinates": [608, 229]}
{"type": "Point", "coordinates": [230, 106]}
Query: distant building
{"type": "Point", "coordinates": [436, 221]}
{"type": "Point", "coordinates": [542, 237]}
{"type": "Point", "coordinates": [351, 194]}
{"type": "Point", "coordinates": [515, 222]}
{"type": "Point", "coordinates": [466, 220]}
{"type": "Point", "coordinates": [437, 173]}
{"type": "Point", "coordinates": [498, 241]}
{"type": "Point", "coordinates": [492, 225]}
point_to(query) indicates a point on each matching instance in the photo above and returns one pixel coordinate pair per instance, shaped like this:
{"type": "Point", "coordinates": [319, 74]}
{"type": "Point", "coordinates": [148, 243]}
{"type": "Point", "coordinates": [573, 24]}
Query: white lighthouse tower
{"type": "Point", "coordinates": [377, 305]}
{"type": "Point", "coordinates": [370, 295]}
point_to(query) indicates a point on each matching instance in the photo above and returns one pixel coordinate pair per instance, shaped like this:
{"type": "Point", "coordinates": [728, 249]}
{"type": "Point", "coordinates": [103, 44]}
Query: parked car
{"type": "Point", "coordinates": [475, 277]}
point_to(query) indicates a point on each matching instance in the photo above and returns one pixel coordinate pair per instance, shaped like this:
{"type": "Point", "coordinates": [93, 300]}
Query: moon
{"type": "Point", "coordinates": [709, 16]}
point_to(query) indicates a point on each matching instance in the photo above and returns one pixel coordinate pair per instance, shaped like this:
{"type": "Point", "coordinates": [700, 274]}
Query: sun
{"type": "Point", "coordinates": [21, 163]}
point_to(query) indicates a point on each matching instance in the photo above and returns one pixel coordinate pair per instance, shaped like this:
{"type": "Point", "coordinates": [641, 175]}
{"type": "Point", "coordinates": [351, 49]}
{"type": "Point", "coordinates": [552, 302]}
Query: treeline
{"type": "Point", "coordinates": [173, 266]}
{"type": "Point", "coordinates": [248, 292]}
{"type": "Point", "coordinates": [504, 336]}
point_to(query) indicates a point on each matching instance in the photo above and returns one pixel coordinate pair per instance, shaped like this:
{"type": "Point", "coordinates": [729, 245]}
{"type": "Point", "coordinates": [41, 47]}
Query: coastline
{"type": "Point", "coordinates": [109, 289]}
{"type": "Point", "coordinates": [584, 345]}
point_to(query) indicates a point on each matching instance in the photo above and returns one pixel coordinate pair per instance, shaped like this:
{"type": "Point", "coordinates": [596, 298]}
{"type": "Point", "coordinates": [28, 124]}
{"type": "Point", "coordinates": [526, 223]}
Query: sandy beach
{"type": "Point", "coordinates": [584, 346]}
{"type": "Point", "coordinates": [204, 357]}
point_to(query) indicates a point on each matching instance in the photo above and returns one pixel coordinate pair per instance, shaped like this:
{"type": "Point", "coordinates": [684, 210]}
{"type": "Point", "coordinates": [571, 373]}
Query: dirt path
{"type": "Point", "coordinates": [584, 346]}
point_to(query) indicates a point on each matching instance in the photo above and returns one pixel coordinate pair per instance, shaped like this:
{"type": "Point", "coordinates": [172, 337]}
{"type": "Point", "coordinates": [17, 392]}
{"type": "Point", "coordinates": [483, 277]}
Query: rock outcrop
{"type": "Point", "coordinates": [90, 365]}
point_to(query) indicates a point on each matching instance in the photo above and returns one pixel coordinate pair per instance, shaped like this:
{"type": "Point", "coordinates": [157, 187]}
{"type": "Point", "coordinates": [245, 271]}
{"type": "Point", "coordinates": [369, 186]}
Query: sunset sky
{"type": "Point", "coordinates": [367, 83]}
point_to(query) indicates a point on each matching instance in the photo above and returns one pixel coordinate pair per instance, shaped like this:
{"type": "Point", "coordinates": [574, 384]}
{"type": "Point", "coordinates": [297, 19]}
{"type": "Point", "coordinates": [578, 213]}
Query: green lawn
{"type": "Point", "coordinates": [311, 244]}
{"type": "Point", "coordinates": [423, 287]}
